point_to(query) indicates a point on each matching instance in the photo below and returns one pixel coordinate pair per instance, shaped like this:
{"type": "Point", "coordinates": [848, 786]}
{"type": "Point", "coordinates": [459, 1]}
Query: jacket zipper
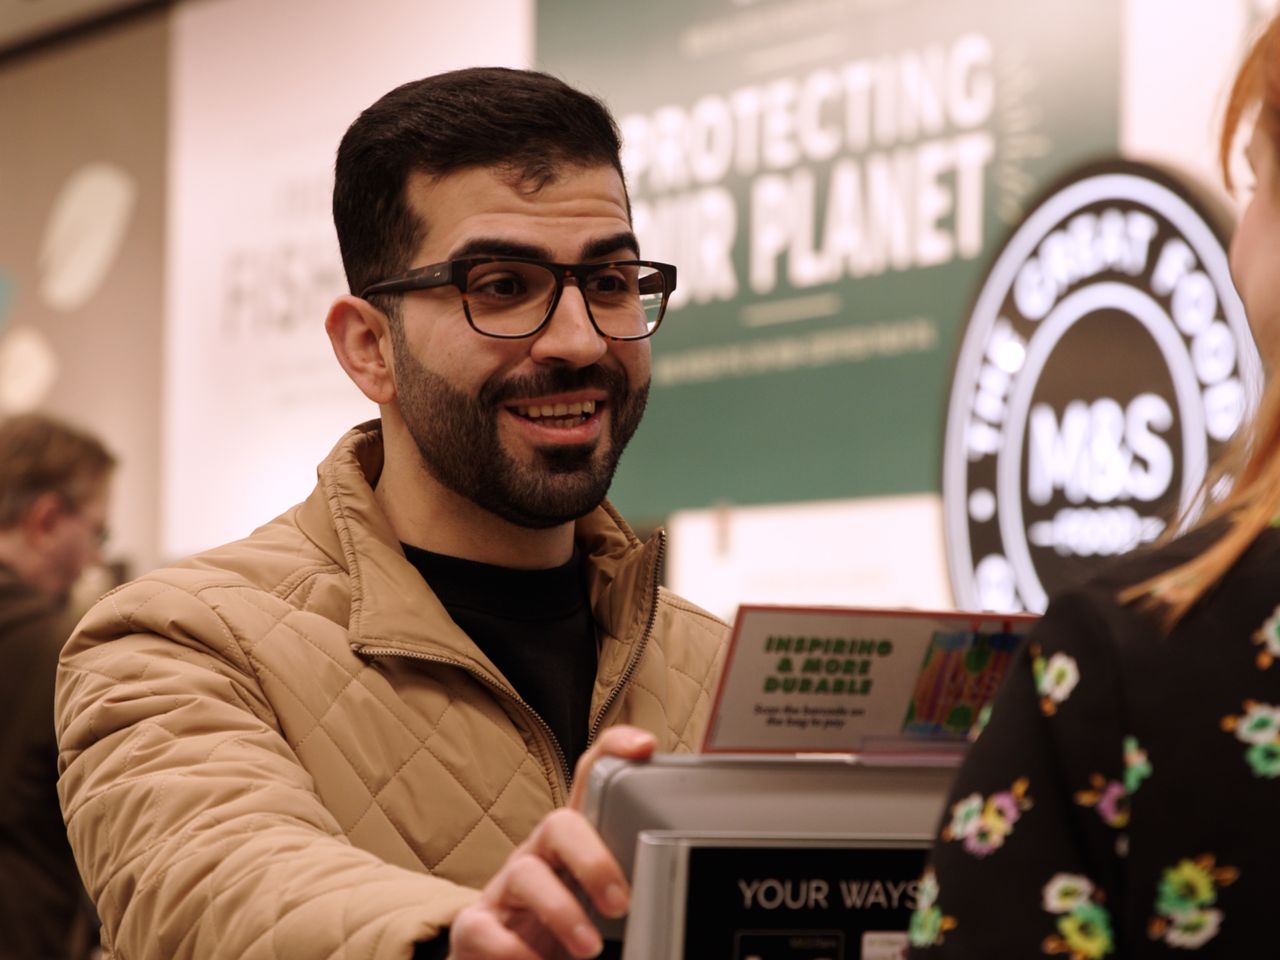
{"type": "Point", "coordinates": [538, 722]}
{"type": "Point", "coordinates": [638, 652]}
{"type": "Point", "coordinates": [627, 671]}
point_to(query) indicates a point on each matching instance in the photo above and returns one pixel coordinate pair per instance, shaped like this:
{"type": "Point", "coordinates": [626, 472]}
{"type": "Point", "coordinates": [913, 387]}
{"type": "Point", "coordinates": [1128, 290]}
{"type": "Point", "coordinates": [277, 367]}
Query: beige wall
{"type": "Point", "coordinates": [82, 188]}
{"type": "Point", "coordinates": [255, 398]}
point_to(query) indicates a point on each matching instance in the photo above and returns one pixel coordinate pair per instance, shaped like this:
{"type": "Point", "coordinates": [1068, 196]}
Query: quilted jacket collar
{"type": "Point", "coordinates": [391, 606]}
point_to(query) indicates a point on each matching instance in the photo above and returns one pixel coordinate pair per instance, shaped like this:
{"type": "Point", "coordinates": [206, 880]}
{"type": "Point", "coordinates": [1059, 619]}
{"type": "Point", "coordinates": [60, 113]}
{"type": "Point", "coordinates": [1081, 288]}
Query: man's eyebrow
{"type": "Point", "coordinates": [494, 247]}
{"type": "Point", "coordinates": [618, 243]}
{"type": "Point", "coordinates": [624, 242]}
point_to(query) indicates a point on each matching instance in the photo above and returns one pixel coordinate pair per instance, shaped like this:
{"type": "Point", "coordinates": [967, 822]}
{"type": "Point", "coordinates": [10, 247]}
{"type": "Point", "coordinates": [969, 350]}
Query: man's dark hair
{"type": "Point", "coordinates": [529, 123]}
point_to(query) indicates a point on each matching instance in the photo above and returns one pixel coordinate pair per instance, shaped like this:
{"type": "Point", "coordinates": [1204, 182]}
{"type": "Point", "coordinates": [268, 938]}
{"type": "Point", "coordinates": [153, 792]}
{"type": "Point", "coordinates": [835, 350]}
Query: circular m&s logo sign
{"type": "Point", "coordinates": [1106, 361]}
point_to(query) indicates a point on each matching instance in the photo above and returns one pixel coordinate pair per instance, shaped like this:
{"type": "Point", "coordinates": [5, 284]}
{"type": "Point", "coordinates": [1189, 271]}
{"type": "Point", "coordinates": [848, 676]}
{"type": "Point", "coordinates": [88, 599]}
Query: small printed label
{"type": "Point", "coordinates": [790, 945]}
{"type": "Point", "coordinates": [884, 945]}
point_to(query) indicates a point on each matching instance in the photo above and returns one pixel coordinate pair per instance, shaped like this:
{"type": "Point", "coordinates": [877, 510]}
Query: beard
{"type": "Point", "coordinates": [457, 437]}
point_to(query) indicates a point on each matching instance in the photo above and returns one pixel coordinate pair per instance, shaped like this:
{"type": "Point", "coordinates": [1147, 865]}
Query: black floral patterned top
{"type": "Point", "coordinates": [1124, 798]}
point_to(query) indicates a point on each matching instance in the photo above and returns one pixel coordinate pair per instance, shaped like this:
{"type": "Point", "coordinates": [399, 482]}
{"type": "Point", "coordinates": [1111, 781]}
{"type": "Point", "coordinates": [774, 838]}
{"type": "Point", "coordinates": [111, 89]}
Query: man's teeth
{"type": "Point", "coordinates": [584, 408]}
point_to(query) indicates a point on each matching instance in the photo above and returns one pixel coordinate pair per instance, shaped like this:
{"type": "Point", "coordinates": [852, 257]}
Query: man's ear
{"type": "Point", "coordinates": [361, 339]}
{"type": "Point", "coordinates": [43, 516]}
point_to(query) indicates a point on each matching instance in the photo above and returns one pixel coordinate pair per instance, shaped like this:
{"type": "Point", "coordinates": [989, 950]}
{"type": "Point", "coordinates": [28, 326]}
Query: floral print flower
{"type": "Point", "coordinates": [1264, 758]}
{"type": "Point", "coordinates": [1109, 798]}
{"type": "Point", "coordinates": [1268, 636]}
{"type": "Point", "coordinates": [1183, 898]}
{"type": "Point", "coordinates": [965, 815]}
{"type": "Point", "coordinates": [1193, 930]}
{"type": "Point", "coordinates": [1055, 679]}
{"type": "Point", "coordinates": [927, 890]}
{"type": "Point", "coordinates": [1066, 891]}
{"type": "Point", "coordinates": [1087, 931]}
{"type": "Point", "coordinates": [1258, 726]}
{"type": "Point", "coordinates": [925, 929]}
{"type": "Point", "coordinates": [1136, 765]}
{"type": "Point", "coordinates": [1003, 808]}
{"type": "Point", "coordinates": [1185, 887]}
{"type": "Point", "coordinates": [987, 837]}
{"type": "Point", "coordinates": [1260, 723]}
{"type": "Point", "coordinates": [983, 824]}
{"type": "Point", "coordinates": [928, 923]}
{"type": "Point", "coordinates": [1084, 925]}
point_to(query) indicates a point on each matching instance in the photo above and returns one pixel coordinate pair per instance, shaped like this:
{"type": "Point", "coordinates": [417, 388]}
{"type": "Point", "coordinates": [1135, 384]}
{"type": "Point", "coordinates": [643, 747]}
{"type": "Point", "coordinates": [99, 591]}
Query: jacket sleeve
{"type": "Point", "coordinates": [196, 829]}
{"type": "Point", "coordinates": [1028, 857]}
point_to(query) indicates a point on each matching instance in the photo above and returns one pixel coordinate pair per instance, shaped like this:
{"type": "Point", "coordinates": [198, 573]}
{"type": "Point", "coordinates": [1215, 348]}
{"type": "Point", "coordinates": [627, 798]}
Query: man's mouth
{"type": "Point", "coordinates": [560, 416]}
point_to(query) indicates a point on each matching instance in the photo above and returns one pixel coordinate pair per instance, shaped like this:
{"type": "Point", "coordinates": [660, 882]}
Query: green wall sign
{"type": "Point", "coordinates": [830, 176]}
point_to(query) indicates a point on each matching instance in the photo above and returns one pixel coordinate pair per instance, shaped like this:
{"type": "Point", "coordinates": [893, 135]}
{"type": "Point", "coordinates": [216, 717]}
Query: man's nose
{"type": "Point", "coordinates": [569, 338]}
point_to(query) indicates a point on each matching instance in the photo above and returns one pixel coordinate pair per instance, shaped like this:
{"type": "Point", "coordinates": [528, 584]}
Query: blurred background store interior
{"type": "Point", "coordinates": [833, 178]}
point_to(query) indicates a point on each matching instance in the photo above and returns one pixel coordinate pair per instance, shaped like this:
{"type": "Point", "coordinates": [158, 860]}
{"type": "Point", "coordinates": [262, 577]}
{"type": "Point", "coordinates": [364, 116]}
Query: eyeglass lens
{"type": "Point", "coordinates": [511, 299]}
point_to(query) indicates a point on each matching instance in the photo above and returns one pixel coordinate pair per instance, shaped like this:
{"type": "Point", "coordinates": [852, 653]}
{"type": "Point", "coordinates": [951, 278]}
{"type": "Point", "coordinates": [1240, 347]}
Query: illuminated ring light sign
{"type": "Point", "coordinates": [1106, 362]}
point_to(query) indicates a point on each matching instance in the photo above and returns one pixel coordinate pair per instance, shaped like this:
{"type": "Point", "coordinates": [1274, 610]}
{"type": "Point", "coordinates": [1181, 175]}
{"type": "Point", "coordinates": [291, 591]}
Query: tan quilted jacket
{"type": "Point", "coordinates": [284, 748]}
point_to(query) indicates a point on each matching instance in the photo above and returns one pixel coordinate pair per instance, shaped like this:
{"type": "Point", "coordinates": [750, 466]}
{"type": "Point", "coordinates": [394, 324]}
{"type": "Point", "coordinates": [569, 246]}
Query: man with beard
{"type": "Point", "coordinates": [351, 734]}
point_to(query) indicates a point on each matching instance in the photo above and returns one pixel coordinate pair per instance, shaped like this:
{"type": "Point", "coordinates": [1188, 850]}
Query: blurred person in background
{"type": "Point", "coordinates": [54, 489]}
{"type": "Point", "coordinates": [363, 730]}
{"type": "Point", "coordinates": [1122, 801]}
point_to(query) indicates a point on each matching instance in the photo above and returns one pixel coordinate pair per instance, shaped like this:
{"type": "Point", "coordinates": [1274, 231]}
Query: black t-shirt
{"type": "Point", "coordinates": [536, 627]}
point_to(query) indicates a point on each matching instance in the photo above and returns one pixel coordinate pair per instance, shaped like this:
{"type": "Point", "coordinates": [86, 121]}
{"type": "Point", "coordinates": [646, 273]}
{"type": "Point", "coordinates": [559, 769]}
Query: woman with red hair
{"type": "Point", "coordinates": [1124, 800]}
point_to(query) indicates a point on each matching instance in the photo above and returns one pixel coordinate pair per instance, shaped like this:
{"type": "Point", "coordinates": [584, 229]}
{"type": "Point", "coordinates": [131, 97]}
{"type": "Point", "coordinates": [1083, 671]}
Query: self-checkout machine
{"type": "Point", "coordinates": [801, 830]}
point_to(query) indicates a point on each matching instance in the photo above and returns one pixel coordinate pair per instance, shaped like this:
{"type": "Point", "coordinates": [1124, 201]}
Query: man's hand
{"type": "Point", "coordinates": [528, 911]}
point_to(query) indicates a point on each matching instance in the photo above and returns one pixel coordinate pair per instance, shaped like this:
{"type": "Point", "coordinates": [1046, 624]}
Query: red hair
{"type": "Point", "coordinates": [1252, 462]}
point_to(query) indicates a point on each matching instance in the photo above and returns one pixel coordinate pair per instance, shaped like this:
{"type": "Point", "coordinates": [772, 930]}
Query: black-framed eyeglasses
{"type": "Point", "coordinates": [514, 297]}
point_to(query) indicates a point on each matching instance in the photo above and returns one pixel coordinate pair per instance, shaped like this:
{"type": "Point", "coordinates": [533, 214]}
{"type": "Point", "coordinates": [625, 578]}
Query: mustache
{"type": "Point", "coordinates": [556, 380]}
